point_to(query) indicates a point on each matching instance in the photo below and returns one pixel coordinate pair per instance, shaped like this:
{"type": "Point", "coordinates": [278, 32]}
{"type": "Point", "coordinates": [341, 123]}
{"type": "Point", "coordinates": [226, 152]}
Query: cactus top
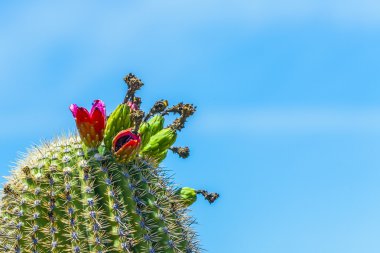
{"type": "Point", "coordinates": [104, 190]}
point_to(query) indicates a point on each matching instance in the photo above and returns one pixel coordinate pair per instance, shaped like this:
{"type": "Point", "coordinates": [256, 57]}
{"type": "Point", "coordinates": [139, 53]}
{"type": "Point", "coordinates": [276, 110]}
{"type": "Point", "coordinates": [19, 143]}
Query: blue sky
{"type": "Point", "coordinates": [288, 96]}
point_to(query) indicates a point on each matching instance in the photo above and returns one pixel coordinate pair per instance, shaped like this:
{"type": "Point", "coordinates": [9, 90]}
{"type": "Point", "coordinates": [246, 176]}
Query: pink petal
{"type": "Point", "coordinates": [74, 109]}
{"type": "Point", "coordinates": [100, 105]}
{"type": "Point", "coordinates": [132, 105]}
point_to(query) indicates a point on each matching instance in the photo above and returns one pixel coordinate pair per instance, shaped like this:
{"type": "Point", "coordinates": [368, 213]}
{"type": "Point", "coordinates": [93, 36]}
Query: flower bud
{"type": "Point", "coordinates": [119, 120]}
{"type": "Point", "coordinates": [187, 196]}
{"type": "Point", "coordinates": [126, 145]}
{"type": "Point", "coordinates": [145, 133]}
{"type": "Point", "coordinates": [160, 157]}
{"type": "Point", "coordinates": [160, 142]}
{"type": "Point", "coordinates": [156, 123]}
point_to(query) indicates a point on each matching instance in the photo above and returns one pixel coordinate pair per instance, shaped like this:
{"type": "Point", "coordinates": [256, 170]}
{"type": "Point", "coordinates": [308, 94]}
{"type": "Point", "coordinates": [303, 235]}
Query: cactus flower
{"type": "Point", "coordinates": [91, 124]}
{"type": "Point", "coordinates": [126, 145]}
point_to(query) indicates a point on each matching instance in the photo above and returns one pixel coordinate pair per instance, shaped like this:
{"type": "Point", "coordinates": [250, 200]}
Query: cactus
{"type": "Point", "coordinates": [102, 190]}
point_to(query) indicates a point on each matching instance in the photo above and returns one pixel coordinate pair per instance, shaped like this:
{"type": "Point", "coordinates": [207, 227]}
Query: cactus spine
{"type": "Point", "coordinates": [102, 191]}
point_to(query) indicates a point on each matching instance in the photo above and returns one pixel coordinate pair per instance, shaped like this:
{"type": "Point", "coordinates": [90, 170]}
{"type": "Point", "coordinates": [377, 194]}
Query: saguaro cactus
{"type": "Point", "coordinates": [102, 190]}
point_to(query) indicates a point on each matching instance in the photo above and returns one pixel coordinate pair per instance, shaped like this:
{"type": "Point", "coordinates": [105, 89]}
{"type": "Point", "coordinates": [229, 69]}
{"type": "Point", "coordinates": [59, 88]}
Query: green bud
{"type": "Point", "coordinates": [187, 196]}
{"type": "Point", "coordinates": [156, 123]}
{"type": "Point", "coordinates": [118, 120]}
{"type": "Point", "coordinates": [145, 133]}
{"type": "Point", "coordinates": [160, 142]}
{"type": "Point", "coordinates": [160, 157]}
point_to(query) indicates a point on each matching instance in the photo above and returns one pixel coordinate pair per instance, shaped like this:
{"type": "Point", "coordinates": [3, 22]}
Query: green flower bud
{"type": "Point", "coordinates": [118, 120]}
{"type": "Point", "coordinates": [145, 133]}
{"type": "Point", "coordinates": [160, 157]}
{"type": "Point", "coordinates": [187, 196]}
{"type": "Point", "coordinates": [156, 123]}
{"type": "Point", "coordinates": [160, 142]}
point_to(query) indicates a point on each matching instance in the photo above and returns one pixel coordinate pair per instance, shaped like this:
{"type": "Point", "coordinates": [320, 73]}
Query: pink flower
{"type": "Point", "coordinates": [133, 106]}
{"type": "Point", "coordinates": [90, 125]}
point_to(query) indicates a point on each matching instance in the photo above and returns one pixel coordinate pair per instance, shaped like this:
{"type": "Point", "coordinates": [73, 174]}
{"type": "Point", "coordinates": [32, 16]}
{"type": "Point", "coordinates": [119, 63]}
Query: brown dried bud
{"type": "Point", "coordinates": [210, 197]}
{"type": "Point", "coordinates": [183, 152]}
{"type": "Point", "coordinates": [158, 107]}
{"type": "Point", "coordinates": [134, 84]}
{"type": "Point", "coordinates": [186, 110]}
{"type": "Point", "coordinates": [137, 117]}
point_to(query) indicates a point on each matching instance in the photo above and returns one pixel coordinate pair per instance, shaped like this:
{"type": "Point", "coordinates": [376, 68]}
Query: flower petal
{"type": "Point", "coordinates": [74, 109]}
{"type": "Point", "coordinates": [133, 106]}
{"type": "Point", "coordinates": [100, 105]}
{"type": "Point", "coordinates": [82, 115]}
{"type": "Point", "coordinates": [98, 120]}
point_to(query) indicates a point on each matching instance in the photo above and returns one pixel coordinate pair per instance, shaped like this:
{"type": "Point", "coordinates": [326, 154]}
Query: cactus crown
{"type": "Point", "coordinates": [103, 190]}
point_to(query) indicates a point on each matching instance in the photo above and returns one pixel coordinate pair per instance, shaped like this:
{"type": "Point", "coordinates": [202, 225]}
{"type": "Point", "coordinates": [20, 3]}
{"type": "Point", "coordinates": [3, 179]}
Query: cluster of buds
{"type": "Point", "coordinates": [129, 132]}
{"type": "Point", "coordinates": [128, 129]}
{"type": "Point", "coordinates": [115, 131]}
{"type": "Point", "coordinates": [91, 127]}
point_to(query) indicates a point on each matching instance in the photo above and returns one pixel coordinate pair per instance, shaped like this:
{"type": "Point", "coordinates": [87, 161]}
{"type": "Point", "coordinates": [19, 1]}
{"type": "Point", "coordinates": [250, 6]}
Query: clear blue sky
{"type": "Point", "coordinates": [288, 95]}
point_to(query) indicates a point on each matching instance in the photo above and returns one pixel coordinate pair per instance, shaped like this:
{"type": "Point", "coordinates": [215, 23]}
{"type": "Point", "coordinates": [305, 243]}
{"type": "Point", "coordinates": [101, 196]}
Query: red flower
{"type": "Point", "coordinates": [126, 145]}
{"type": "Point", "coordinates": [90, 125]}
